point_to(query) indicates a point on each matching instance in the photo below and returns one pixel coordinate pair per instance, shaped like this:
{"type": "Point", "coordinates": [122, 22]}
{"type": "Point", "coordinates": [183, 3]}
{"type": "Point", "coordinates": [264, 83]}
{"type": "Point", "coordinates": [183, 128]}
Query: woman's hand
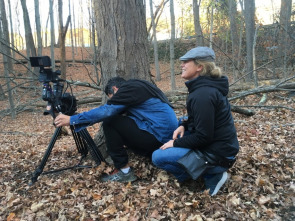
{"type": "Point", "coordinates": [167, 145]}
{"type": "Point", "coordinates": [178, 132]}
{"type": "Point", "coordinates": [62, 120]}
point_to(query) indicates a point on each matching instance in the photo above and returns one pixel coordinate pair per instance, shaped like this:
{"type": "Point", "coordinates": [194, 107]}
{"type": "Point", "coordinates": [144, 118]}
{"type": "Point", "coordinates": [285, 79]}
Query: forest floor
{"type": "Point", "coordinates": [261, 184]}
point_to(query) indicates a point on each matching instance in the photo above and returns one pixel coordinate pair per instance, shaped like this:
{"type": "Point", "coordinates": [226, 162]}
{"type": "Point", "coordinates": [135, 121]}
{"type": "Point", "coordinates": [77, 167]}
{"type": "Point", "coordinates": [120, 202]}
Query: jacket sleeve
{"type": "Point", "coordinates": [88, 118]}
{"type": "Point", "coordinates": [203, 115]}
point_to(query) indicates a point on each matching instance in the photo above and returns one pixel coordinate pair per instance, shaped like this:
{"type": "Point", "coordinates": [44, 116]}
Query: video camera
{"type": "Point", "coordinates": [57, 100]}
{"type": "Point", "coordinates": [65, 103]}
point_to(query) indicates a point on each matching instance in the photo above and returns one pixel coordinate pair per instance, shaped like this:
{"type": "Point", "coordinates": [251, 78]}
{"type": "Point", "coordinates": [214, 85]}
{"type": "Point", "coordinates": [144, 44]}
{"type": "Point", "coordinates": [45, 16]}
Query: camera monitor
{"type": "Point", "coordinates": [43, 61]}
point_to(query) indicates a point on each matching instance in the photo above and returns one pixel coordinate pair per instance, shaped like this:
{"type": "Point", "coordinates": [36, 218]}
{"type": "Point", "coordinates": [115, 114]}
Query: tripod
{"type": "Point", "coordinates": [84, 143]}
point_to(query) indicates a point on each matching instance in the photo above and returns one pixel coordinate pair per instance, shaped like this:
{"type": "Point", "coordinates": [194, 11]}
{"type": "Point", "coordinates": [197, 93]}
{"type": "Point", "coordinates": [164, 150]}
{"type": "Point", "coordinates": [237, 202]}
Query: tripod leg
{"type": "Point", "coordinates": [40, 168]}
{"type": "Point", "coordinates": [80, 143]}
{"type": "Point", "coordinates": [96, 154]}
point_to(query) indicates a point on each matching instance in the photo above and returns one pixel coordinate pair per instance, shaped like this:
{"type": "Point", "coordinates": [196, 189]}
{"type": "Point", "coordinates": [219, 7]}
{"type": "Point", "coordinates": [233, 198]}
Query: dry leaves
{"type": "Point", "coordinates": [261, 186]}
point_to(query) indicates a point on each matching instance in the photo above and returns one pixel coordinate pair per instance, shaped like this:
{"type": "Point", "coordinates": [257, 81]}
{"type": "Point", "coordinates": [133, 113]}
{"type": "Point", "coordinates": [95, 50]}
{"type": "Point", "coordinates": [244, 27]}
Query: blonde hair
{"type": "Point", "coordinates": [209, 69]}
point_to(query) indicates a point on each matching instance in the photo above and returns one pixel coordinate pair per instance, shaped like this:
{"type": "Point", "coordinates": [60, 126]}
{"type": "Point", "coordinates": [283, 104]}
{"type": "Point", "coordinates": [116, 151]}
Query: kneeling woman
{"type": "Point", "coordinates": [209, 129]}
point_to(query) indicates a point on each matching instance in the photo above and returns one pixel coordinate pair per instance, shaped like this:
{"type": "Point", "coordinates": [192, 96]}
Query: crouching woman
{"type": "Point", "coordinates": [206, 143]}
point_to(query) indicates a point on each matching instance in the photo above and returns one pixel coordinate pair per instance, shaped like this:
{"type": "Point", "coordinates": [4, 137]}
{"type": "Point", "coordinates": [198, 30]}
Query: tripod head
{"type": "Point", "coordinates": [53, 88]}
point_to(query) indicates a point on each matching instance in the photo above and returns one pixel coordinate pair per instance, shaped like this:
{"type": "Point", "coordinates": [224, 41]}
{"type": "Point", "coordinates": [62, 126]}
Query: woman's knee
{"type": "Point", "coordinates": [156, 157]}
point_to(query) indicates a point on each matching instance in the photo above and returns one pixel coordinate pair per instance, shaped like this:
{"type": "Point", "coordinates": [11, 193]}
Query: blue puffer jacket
{"type": "Point", "coordinates": [142, 102]}
{"type": "Point", "coordinates": [154, 116]}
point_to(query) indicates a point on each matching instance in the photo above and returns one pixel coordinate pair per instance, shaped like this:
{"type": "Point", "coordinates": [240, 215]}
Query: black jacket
{"type": "Point", "coordinates": [134, 92]}
{"type": "Point", "coordinates": [210, 122]}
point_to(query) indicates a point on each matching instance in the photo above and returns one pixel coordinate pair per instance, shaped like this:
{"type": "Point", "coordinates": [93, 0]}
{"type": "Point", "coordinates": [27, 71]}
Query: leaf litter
{"type": "Point", "coordinates": [261, 184]}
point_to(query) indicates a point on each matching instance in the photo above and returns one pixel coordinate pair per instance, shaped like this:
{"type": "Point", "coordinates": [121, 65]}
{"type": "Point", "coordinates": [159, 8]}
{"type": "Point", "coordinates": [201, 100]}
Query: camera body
{"type": "Point", "coordinates": [53, 87]}
{"type": "Point", "coordinates": [46, 73]}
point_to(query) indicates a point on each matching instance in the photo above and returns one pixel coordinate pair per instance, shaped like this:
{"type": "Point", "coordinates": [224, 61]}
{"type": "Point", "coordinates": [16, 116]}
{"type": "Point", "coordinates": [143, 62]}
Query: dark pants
{"type": "Point", "coordinates": [122, 131]}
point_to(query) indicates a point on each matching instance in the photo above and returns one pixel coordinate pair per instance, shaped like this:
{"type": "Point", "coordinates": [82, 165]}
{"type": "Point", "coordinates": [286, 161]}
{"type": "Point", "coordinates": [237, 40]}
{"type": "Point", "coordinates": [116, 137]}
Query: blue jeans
{"type": "Point", "coordinates": [167, 160]}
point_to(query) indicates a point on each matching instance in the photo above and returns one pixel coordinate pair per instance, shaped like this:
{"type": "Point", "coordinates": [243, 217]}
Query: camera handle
{"type": "Point", "coordinates": [84, 143]}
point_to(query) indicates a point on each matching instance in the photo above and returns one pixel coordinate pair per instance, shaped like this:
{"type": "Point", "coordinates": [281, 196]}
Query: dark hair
{"type": "Point", "coordinates": [116, 81]}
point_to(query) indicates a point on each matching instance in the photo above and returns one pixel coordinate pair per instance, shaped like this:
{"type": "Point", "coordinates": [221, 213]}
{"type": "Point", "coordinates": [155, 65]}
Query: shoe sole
{"type": "Point", "coordinates": [131, 179]}
{"type": "Point", "coordinates": [220, 183]}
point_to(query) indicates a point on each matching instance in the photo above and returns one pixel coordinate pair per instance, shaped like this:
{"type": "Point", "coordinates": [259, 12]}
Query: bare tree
{"type": "Point", "coordinates": [6, 59]}
{"type": "Point", "coordinates": [155, 43]}
{"type": "Point", "coordinates": [52, 34]}
{"type": "Point", "coordinates": [71, 32]}
{"type": "Point", "coordinates": [11, 28]}
{"type": "Point", "coordinates": [31, 50]}
{"type": "Point", "coordinates": [62, 36]}
{"type": "Point", "coordinates": [197, 23]}
{"type": "Point", "coordinates": [157, 15]}
{"type": "Point", "coordinates": [81, 26]}
{"type": "Point", "coordinates": [46, 28]}
{"type": "Point", "coordinates": [74, 28]}
{"type": "Point", "coordinates": [5, 35]}
{"type": "Point", "coordinates": [232, 13]}
{"type": "Point", "coordinates": [2, 94]}
{"type": "Point", "coordinates": [92, 26]}
{"type": "Point", "coordinates": [250, 29]}
{"type": "Point", "coordinates": [241, 32]}
{"type": "Point", "coordinates": [211, 23]}
{"type": "Point", "coordinates": [285, 18]}
{"type": "Point", "coordinates": [233, 16]}
{"type": "Point", "coordinates": [172, 41]}
{"type": "Point", "coordinates": [254, 57]}
{"type": "Point", "coordinates": [38, 27]}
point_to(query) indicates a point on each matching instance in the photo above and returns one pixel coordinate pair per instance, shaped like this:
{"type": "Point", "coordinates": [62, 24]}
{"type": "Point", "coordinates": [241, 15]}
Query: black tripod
{"type": "Point", "coordinates": [84, 143]}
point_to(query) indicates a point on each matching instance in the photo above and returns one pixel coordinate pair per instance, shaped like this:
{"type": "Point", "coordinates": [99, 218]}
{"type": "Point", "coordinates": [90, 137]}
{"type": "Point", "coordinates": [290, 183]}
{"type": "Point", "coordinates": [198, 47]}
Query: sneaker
{"type": "Point", "coordinates": [119, 176]}
{"type": "Point", "coordinates": [192, 185]}
{"type": "Point", "coordinates": [215, 182]}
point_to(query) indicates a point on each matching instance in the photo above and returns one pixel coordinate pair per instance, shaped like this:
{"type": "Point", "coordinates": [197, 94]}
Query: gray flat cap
{"type": "Point", "coordinates": [199, 53]}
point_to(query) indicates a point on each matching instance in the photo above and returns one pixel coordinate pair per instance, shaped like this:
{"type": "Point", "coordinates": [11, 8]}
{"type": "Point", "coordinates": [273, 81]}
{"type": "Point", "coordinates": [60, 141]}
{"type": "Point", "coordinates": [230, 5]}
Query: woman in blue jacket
{"type": "Point", "coordinates": [137, 115]}
{"type": "Point", "coordinates": [209, 127]}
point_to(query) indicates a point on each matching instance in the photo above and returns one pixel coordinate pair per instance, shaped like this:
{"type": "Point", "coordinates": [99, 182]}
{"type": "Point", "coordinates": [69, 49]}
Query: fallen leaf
{"type": "Point", "coordinates": [36, 206]}
{"type": "Point", "coordinates": [10, 217]}
{"type": "Point", "coordinates": [263, 200]}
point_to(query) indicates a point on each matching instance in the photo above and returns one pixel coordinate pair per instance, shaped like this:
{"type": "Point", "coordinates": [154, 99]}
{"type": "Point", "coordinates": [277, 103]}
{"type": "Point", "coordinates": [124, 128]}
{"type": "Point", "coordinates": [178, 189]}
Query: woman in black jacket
{"type": "Point", "coordinates": [209, 128]}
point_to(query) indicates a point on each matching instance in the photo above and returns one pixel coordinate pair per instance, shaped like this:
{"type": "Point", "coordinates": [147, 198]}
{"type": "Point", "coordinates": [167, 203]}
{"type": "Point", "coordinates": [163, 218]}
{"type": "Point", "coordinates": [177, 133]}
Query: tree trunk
{"type": "Point", "coordinates": [46, 34]}
{"type": "Point", "coordinates": [197, 23]}
{"type": "Point", "coordinates": [122, 36]}
{"type": "Point", "coordinates": [233, 16]}
{"type": "Point", "coordinates": [285, 18]}
{"type": "Point", "coordinates": [31, 50]}
{"type": "Point", "coordinates": [62, 36]}
{"type": "Point", "coordinates": [240, 35]}
{"type": "Point", "coordinates": [38, 27]}
{"type": "Point", "coordinates": [155, 43]}
{"type": "Point", "coordinates": [172, 40]}
{"type": "Point", "coordinates": [5, 63]}
{"type": "Point", "coordinates": [211, 23]}
{"type": "Point", "coordinates": [234, 34]}
{"type": "Point", "coordinates": [52, 34]}
{"type": "Point", "coordinates": [123, 43]}
{"type": "Point", "coordinates": [254, 57]}
{"type": "Point", "coordinates": [11, 28]}
{"type": "Point", "coordinates": [81, 28]}
{"type": "Point", "coordinates": [93, 37]}
{"type": "Point", "coordinates": [5, 35]}
{"type": "Point", "coordinates": [157, 16]}
{"type": "Point", "coordinates": [2, 94]}
{"type": "Point", "coordinates": [72, 38]}
{"type": "Point", "coordinates": [250, 29]}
